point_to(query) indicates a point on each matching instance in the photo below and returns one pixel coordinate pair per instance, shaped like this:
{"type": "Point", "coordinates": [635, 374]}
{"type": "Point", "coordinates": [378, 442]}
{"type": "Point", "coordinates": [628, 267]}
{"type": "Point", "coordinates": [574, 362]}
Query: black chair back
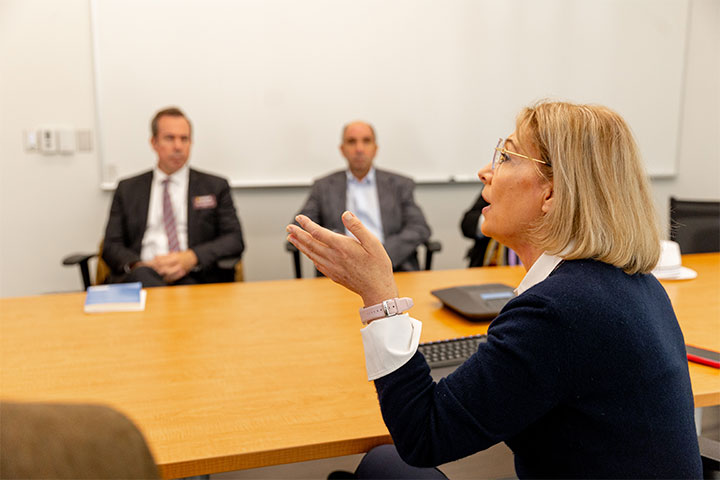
{"type": "Point", "coordinates": [695, 225]}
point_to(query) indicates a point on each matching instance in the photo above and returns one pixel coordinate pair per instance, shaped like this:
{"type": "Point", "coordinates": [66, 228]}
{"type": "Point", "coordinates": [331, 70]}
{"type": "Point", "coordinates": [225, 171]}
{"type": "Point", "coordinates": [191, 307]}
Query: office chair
{"type": "Point", "coordinates": [80, 441]}
{"type": "Point", "coordinates": [431, 246]}
{"type": "Point", "coordinates": [710, 455]}
{"type": "Point", "coordinates": [232, 265]}
{"type": "Point", "coordinates": [695, 225]}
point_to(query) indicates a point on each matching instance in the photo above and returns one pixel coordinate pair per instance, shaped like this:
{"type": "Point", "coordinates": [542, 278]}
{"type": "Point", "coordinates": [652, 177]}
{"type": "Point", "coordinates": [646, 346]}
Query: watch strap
{"type": "Point", "coordinates": [388, 308]}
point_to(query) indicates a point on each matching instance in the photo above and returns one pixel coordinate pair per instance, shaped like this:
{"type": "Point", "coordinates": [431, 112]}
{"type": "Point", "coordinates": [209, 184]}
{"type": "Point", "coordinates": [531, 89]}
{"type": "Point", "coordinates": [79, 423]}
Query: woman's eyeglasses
{"type": "Point", "coordinates": [500, 155]}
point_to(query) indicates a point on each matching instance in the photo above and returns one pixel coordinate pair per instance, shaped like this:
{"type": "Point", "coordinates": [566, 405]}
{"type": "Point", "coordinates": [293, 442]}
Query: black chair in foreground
{"type": "Point", "coordinates": [431, 246]}
{"type": "Point", "coordinates": [695, 225]}
{"type": "Point", "coordinates": [71, 441]}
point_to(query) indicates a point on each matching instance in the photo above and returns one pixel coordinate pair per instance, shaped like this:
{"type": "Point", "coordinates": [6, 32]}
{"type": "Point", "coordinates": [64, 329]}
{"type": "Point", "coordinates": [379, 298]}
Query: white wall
{"type": "Point", "coordinates": [52, 205]}
{"type": "Point", "coordinates": [424, 82]}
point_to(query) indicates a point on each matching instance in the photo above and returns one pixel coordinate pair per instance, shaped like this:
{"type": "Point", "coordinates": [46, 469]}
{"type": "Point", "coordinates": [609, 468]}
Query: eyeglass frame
{"type": "Point", "coordinates": [503, 151]}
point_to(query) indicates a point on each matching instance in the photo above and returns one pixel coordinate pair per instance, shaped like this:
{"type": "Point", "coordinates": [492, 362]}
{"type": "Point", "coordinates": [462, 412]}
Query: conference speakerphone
{"type": "Point", "coordinates": [476, 302]}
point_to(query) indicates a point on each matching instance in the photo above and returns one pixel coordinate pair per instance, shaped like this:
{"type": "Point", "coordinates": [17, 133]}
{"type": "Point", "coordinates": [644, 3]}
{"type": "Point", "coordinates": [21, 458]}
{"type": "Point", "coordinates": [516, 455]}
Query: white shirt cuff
{"type": "Point", "coordinates": [389, 343]}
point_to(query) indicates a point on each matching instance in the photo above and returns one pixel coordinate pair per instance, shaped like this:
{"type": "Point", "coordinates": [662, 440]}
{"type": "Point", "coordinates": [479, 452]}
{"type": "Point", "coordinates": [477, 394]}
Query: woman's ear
{"type": "Point", "coordinates": [548, 197]}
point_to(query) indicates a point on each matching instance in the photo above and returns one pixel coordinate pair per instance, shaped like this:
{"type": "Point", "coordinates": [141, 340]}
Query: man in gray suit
{"type": "Point", "coordinates": [382, 200]}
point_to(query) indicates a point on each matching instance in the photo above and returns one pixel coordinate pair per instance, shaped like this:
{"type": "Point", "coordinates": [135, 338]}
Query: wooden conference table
{"type": "Point", "coordinates": [235, 376]}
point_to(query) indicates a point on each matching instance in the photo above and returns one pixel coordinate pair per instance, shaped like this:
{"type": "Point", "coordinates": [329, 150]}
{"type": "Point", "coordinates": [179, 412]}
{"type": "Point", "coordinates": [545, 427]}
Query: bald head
{"type": "Point", "coordinates": [358, 147]}
{"type": "Point", "coordinates": [354, 123]}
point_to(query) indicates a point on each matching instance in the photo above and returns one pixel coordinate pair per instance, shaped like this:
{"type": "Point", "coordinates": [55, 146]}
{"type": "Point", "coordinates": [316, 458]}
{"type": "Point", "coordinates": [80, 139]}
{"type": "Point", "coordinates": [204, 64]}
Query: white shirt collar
{"type": "Point", "coordinates": [541, 269]}
{"type": "Point", "coordinates": [180, 176]}
{"type": "Point", "coordinates": [368, 179]}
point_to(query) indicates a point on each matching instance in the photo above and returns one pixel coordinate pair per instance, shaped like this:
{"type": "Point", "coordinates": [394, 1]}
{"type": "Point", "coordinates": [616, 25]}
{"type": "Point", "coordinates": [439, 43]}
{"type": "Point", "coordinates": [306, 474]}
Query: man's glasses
{"type": "Point", "coordinates": [500, 155]}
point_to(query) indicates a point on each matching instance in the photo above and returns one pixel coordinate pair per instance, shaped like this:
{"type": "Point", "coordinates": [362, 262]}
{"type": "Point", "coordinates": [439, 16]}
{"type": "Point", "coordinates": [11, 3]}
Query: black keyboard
{"type": "Point", "coordinates": [453, 351]}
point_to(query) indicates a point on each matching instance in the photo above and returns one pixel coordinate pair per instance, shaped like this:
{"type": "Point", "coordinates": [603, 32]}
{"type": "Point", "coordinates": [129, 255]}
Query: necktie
{"type": "Point", "coordinates": [169, 219]}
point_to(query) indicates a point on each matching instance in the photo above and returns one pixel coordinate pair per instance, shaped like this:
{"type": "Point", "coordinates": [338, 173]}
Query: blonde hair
{"type": "Point", "coordinates": [602, 208]}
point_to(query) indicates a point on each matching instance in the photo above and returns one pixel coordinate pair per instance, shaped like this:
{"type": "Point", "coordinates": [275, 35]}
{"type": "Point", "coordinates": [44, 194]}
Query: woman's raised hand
{"type": "Point", "coordinates": [360, 265]}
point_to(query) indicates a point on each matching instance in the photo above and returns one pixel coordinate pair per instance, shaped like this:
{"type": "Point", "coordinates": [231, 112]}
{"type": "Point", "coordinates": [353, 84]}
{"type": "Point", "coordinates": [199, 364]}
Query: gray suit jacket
{"type": "Point", "coordinates": [403, 222]}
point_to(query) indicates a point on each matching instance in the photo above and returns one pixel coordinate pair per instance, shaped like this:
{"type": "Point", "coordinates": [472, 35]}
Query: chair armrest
{"type": "Point", "coordinates": [231, 269]}
{"type": "Point", "coordinates": [81, 260]}
{"type": "Point", "coordinates": [709, 448]}
{"type": "Point", "coordinates": [431, 246]}
{"type": "Point", "coordinates": [296, 258]}
{"type": "Point", "coordinates": [227, 263]}
{"type": "Point", "coordinates": [76, 258]}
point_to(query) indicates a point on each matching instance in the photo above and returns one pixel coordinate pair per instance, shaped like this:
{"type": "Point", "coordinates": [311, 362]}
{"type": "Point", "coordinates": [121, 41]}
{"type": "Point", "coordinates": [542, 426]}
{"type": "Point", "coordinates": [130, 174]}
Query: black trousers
{"type": "Point", "coordinates": [384, 462]}
{"type": "Point", "coordinates": [150, 278]}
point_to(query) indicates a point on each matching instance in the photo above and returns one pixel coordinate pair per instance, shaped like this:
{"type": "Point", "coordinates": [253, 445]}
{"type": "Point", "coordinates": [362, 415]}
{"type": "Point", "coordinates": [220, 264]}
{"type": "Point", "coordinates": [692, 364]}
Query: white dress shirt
{"type": "Point", "coordinates": [155, 241]}
{"type": "Point", "coordinates": [479, 233]}
{"type": "Point", "coordinates": [362, 201]}
{"type": "Point", "coordinates": [389, 343]}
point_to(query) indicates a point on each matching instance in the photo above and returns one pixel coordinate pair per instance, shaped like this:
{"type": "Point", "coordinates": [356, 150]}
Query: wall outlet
{"type": "Point", "coordinates": [48, 140]}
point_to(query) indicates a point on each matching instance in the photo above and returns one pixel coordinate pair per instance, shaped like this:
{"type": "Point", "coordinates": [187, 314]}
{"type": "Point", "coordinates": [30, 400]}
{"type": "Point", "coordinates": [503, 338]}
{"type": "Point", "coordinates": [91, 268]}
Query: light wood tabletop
{"type": "Point", "coordinates": [234, 376]}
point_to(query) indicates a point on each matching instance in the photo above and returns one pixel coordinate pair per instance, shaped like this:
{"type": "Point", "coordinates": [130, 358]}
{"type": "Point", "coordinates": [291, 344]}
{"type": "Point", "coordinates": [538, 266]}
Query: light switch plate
{"type": "Point", "coordinates": [84, 140]}
{"type": "Point", "coordinates": [30, 140]}
{"type": "Point", "coordinates": [66, 140]}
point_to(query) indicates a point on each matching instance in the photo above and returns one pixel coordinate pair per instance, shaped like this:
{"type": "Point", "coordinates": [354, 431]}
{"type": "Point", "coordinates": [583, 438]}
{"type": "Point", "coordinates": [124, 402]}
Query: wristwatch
{"type": "Point", "coordinates": [388, 308]}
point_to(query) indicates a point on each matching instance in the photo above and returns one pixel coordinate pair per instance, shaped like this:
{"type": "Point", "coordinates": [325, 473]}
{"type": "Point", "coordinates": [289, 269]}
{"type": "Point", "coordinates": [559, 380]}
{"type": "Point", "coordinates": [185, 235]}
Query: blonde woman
{"type": "Point", "coordinates": [584, 373]}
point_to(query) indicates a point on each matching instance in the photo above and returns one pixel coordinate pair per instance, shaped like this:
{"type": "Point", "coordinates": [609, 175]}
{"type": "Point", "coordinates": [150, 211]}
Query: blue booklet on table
{"type": "Point", "coordinates": [117, 297]}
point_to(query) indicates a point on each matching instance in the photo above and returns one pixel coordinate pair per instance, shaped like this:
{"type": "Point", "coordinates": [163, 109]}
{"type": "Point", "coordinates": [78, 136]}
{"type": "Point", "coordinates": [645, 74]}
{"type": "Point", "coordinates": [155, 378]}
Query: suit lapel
{"type": "Point", "coordinates": [385, 199]}
{"type": "Point", "coordinates": [338, 200]}
{"type": "Point", "coordinates": [191, 214]}
{"type": "Point", "coordinates": [143, 204]}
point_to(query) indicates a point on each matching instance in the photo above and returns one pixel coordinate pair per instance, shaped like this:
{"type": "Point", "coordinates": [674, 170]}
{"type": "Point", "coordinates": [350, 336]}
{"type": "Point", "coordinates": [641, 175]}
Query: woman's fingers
{"type": "Point", "coordinates": [360, 264]}
{"type": "Point", "coordinates": [369, 241]}
{"type": "Point", "coordinates": [305, 242]}
{"type": "Point", "coordinates": [322, 234]}
{"type": "Point", "coordinates": [320, 253]}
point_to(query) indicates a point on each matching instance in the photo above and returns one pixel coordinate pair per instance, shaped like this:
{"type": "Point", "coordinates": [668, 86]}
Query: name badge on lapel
{"type": "Point", "coordinates": [203, 202]}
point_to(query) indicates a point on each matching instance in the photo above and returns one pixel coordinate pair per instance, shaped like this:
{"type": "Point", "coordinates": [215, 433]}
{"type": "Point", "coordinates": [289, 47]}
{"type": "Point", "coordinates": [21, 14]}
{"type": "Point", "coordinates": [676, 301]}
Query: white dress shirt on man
{"type": "Point", "coordinates": [155, 241]}
{"type": "Point", "coordinates": [362, 201]}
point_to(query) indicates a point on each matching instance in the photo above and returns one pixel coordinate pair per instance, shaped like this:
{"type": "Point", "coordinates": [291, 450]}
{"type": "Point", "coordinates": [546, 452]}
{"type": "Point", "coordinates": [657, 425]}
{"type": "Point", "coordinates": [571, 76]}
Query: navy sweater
{"type": "Point", "coordinates": [584, 375]}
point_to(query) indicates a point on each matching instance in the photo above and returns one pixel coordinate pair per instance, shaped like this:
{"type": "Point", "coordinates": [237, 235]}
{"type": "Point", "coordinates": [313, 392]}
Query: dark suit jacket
{"type": "Point", "coordinates": [469, 224]}
{"type": "Point", "coordinates": [213, 233]}
{"type": "Point", "coordinates": [402, 220]}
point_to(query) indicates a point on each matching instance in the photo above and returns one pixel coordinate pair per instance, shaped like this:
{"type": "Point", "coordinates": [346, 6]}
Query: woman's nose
{"type": "Point", "coordinates": [485, 174]}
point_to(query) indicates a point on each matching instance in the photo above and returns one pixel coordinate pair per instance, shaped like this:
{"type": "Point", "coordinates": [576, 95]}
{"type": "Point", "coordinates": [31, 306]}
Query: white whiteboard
{"type": "Point", "coordinates": [268, 84]}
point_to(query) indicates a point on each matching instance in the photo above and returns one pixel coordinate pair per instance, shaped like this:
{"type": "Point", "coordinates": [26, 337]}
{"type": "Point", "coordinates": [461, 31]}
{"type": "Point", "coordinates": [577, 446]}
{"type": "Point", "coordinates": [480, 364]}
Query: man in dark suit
{"type": "Point", "coordinates": [384, 201]}
{"type": "Point", "coordinates": [170, 225]}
